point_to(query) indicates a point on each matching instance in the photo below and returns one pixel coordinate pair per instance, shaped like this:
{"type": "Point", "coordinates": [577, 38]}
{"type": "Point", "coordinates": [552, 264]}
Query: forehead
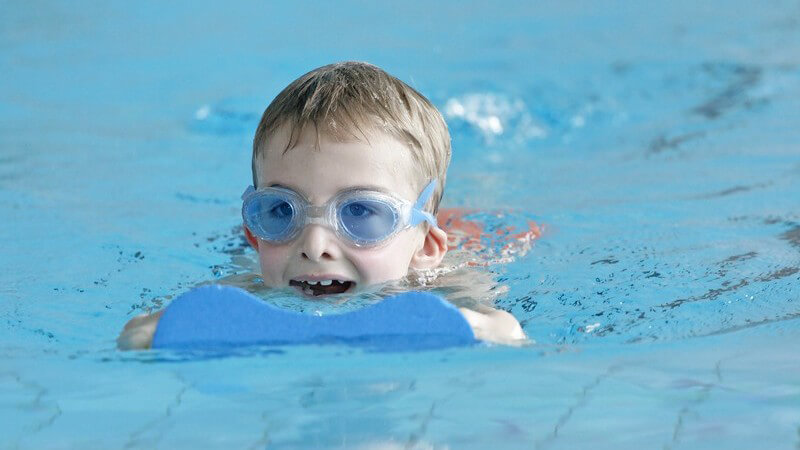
{"type": "Point", "coordinates": [321, 166]}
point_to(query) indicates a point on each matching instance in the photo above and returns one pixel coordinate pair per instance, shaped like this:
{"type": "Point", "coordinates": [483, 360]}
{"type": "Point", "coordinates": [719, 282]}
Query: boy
{"type": "Point", "coordinates": [340, 157]}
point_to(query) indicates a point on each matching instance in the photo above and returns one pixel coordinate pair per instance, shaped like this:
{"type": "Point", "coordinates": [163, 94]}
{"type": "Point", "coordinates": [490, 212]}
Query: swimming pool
{"type": "Point", "coordinates": [657, 145]}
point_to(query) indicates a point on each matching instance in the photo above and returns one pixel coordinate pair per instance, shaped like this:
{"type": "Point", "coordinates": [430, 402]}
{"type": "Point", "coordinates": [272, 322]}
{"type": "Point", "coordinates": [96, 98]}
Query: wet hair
{"type": "Point", "coordinates": [348, 100]}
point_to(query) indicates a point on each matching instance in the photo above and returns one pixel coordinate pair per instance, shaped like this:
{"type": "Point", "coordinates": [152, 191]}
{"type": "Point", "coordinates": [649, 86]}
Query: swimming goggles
{"type": "Point", "coordinates": [363, 218]}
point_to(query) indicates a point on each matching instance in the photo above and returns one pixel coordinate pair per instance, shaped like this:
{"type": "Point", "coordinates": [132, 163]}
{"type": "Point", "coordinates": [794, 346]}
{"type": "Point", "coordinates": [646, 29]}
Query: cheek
{"type": "Point", "coordinates": [273, 260]}
{"type": "Point", "coordinates": [385, 263]}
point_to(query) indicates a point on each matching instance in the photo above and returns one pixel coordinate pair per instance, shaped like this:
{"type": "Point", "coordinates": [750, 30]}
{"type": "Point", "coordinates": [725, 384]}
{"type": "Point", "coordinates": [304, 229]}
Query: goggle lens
{"type": "Point", "coordinates": [270, 216]}
{"type": "Point", "coordinates": [367, 220]}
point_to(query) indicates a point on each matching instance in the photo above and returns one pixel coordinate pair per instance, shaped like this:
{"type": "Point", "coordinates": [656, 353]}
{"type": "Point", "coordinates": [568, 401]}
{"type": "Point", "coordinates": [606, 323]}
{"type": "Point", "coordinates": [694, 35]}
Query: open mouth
{"type": "Point", "coordinates": [322, 287]}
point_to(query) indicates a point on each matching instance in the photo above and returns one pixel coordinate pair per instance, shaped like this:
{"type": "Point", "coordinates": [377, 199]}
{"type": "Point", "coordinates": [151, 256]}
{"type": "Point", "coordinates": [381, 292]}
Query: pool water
{"type": "Point", "coordinates": [655, 143]}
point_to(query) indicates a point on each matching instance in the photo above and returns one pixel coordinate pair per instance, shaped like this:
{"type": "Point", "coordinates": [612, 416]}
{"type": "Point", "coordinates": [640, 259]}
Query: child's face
{"type": "Point", "coordinates": [318, 254]}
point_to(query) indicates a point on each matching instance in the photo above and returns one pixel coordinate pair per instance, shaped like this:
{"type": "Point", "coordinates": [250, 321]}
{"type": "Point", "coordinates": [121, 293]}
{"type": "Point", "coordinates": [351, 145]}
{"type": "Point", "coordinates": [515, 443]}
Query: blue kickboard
{"type": "Point", "coordinates": [225, 316]}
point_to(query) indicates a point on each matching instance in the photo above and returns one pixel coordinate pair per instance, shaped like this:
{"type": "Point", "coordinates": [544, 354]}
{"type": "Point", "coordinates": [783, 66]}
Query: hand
{"type": "Point", "coordinates": [138, 332]}
{"type": "Point", "coordinates": [494, 325]}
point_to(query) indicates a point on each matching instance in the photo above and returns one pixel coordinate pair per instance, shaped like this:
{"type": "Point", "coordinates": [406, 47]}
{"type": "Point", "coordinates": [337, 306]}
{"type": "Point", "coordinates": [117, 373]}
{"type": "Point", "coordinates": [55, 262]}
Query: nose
{"type": "Point", "coordinates": [317, 243]}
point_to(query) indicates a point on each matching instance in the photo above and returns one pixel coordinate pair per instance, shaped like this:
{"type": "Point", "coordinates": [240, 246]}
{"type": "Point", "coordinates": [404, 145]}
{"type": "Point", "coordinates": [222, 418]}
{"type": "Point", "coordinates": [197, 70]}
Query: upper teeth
{"type": "Point", "coordinates": [322, 282]}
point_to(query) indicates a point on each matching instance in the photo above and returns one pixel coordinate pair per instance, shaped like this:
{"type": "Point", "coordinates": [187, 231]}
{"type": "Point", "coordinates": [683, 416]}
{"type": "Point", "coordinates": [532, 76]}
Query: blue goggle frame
{"type": "Point", "coordinates": [361, 217]}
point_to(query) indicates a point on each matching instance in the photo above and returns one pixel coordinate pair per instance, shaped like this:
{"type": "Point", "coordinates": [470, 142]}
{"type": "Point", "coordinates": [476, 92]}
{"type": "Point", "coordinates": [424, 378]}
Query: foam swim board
{"type": "Point", "coordinates": [225, 316]}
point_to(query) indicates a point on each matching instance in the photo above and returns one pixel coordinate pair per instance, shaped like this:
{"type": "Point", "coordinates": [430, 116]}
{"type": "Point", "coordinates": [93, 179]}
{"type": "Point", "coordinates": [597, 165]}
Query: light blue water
{"type": "Point", "coordinates": [657, 142]}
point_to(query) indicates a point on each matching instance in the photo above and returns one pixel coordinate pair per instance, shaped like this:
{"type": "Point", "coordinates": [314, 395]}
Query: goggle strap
{"type": "Point", "coordinates": [418, 213]}
{"type": "Point", "coordinates": [417, 217]}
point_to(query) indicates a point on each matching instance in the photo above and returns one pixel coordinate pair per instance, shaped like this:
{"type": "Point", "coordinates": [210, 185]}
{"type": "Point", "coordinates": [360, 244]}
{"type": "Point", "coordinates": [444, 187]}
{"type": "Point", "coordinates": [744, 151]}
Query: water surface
{"type": "Point", "coordinates": [656, 144]}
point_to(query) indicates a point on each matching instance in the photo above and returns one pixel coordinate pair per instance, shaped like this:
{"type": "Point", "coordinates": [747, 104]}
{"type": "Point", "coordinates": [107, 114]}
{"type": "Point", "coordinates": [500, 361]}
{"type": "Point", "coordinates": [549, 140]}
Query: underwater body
{"type": "Point", "coordinates": [655, 145]}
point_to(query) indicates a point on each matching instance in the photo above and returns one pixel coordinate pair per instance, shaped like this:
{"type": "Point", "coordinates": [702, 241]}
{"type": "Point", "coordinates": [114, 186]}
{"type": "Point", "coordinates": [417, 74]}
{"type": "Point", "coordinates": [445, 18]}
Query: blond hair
{"type": "Point", "coordinates": [343, 99]}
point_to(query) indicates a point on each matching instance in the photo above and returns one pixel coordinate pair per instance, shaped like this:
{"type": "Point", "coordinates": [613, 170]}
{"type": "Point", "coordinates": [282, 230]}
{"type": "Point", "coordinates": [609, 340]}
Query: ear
{"type": "Point", "coordinates": [433, 249]}
{"type": "Point", "coordinates": [251, 238]}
